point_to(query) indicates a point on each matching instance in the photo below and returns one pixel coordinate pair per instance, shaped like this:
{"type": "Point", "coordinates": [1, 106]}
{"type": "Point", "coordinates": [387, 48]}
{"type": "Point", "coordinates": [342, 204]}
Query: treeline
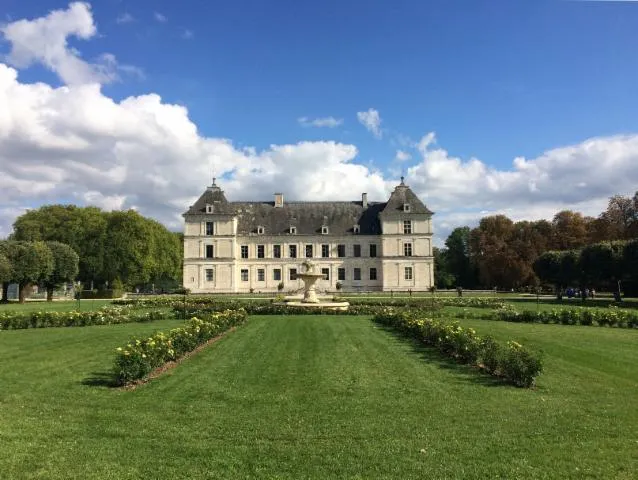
{"type": "Point", "coordinates": [48, 264]}
{"type": "Point", "coordinates": [502, 253]}
{"type": "Point", "coordinates": [113, 247]}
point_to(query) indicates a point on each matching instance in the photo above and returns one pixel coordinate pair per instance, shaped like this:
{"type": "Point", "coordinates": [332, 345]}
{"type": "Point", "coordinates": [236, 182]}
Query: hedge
{"type": "Point", "coordinates": [511, 361]}
{"type": "Point", "coordinates": [140, 356]}
{"type": "Point", "coordinates": [104, 316]}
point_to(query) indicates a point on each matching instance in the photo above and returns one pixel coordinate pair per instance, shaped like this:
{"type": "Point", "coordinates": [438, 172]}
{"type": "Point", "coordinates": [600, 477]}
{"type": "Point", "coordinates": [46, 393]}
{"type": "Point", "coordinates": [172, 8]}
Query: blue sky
{"type": "Point", "coordinates": [494, 79]}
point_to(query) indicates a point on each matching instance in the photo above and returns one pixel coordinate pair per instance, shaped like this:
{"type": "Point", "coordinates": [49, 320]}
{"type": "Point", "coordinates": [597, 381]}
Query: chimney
{"type": "Point", "coordinates": [279, 200]}
{"type": "Point", "coordinates": [364, 200]}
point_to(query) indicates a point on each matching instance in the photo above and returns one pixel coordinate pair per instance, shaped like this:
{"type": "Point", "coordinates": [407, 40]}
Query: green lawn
{"type": "Point", "coordinates": [317, 397]}
{"type": "Point", "coordinates": [58, 306]}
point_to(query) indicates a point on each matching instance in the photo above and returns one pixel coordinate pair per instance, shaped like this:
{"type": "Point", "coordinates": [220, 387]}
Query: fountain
{"type": "Point", "coordinates": [310, 298]}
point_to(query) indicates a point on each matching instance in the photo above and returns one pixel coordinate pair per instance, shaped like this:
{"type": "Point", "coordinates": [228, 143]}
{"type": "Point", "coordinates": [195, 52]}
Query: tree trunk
{"type": "Point", "coordinates": [5, 292]}
{"type": "Point", "coordinates": [22, 291]}
{"type": "Point", "coordinates": [559, 293]}
{"type": "Point", "coordinates": [49, 293]}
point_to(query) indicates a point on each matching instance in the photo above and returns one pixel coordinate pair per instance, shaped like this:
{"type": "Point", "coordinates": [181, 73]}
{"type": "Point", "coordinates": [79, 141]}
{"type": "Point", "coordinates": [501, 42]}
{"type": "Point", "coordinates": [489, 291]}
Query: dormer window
{"type": "Point", "coordinates": [406, 207]}
{"type": "Point", "coordinates": [356, 229]}
{"type": "Point", "coordinates": [260, 230]}
{"type": "Point", "coordinates": [209, 208]}
{"type": "Point", "coordinates": [293, 230]}
{"type": "Point", "coordinates": [324, 230]}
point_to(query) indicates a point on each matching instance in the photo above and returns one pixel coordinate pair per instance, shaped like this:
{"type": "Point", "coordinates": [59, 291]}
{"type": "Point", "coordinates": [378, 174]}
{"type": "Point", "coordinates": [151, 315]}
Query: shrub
{"type": "Point", "coordinates": [141, 356]}
{"type": "Point", "coordinates": [512, 362]}
{"type": "Point", "coordinates": [104, 316]}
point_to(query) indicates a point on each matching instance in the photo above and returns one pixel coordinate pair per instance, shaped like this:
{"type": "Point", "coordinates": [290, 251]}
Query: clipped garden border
{"type": "Point", "coordinates": [140, 357]}
{"type": "Point", "coordinates": [104, 316]}
{"type": "Point", "coordinates": [512, 362]}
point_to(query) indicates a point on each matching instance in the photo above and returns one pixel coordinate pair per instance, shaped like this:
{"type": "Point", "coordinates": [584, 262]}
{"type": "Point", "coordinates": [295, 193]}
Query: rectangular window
{"type": "Point", "coordinates": [373, 273]}
{"type": "Point", "coordinates": [210, 228]}
{"type": "Point", "coordinates": [276, 274]}
{"type": "Point", "coordinates": [341, 273]}
{"type": "Point", "coordinates": [210, 274]}
{"type": "Point", "coordinates": [325, 251]}
{"type": "Point", "coordinates": [244, 274]}
{"type": "Point", "coordinates": [292, 250]}
{"type": "Point", "coordinates": [357, 274]}
{"type": "Point", "coordinates": [356, 250]}
{"type": "Point", "coordinates": [261, 275]}
{"type": "Point", "coordinates": [373, 250]}
{"type": "Point", "coordinates": [293, 274]}
{"type": "Point", "coordinates": [308, 251]}
{"type": "Point", "coordinates": [408, 273]}
{"type": "Point", "coordinates": [244, 251]}
{"type": "Point", "coordinates": [209, 251]}
{"type": "Point", "coordinates": [326, 273]}
{"type": "Point", "coordinates": [407, 226]}
{"type": "Point", "coordinates": [276, 251]}
{"type": "Point", "coordinates": [261, 251]}
{"type": "Point", "coordinates": [407, 249]}
{"type": "Point", "coordinates": [341, 251]}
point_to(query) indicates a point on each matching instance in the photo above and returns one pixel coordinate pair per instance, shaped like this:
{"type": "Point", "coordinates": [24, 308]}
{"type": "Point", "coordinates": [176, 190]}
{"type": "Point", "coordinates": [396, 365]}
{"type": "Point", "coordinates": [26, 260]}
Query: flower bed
{"type": "Point", "coordinates": [104, 316]}
{"type": "Point", "coordinates": [422, 302]}
{"type": "Point", "coordinates": [137, 359]}
{"type": "Point", "coordinates": [512, 362]}
{"type": "Point", "coordinates": [612, 316]}
{"type": "Point", "coordinates": [268, 308]}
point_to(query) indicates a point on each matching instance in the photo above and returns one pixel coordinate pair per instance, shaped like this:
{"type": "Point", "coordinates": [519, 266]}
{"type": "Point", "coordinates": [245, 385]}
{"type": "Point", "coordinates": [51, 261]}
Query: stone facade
{"type": "Point", "coordinates": [235, 247]}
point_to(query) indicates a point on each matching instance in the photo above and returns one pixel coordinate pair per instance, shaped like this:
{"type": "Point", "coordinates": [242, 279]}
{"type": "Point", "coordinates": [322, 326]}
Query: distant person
{"type": "Point", "coordinates": [592, 292]}
{"type": "Point", "coordinates": [459, 291]}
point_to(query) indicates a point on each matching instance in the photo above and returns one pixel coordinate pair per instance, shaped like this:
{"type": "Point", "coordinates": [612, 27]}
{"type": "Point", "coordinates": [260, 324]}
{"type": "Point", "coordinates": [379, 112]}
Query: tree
{"type": "Point", "coordinates": [443, 278]}
{"type": "Point", "coordinates": [491, 251]}
{"type": "Point", "coordinates": [82, 228]}
{"type": "Point", "coordinates": [6, 272]}
{"type": "Point", "coordinates": [601, 263]}
{"type": "Point", "coordinates": [560, 268]}
{"type": "Point", "coordinates": [570, 230]}
{"type": "Point", "coordinates": [457, 258]}
{"type": "Point", "coordinates": [31, 262]}
{"type": "Point", "coordinates": [65, 266]}
{"type": "Point", "coordinates": [622, 217]}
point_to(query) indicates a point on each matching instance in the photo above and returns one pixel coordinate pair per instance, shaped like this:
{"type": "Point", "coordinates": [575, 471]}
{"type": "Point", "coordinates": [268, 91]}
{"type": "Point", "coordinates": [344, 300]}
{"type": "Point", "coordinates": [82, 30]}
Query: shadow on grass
{"type": "Point", "coordinates": [462, 372]}
{"type": "Point", "coordinates": [101, 379]}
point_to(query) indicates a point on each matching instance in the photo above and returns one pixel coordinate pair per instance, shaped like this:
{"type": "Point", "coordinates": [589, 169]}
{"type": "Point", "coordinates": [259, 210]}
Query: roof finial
{"type": "Point", "coordinates": [402, 178]}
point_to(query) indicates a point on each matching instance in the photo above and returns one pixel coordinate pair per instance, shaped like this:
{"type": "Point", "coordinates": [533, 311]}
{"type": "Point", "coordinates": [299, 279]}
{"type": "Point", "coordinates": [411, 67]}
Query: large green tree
{"type": "Point", "coordinates": [31, 263]}
{"type": "Point", "coordinates": [443, 278]}
{"type": "Point", "coordinates": [457, 258]}
{"type": "Point", "coordinates": [560, 268]}
{"type": "Point", "coordinates": [65, 266]}
{"type": "Point", "coordinates": [82, 228]}
{"type": "Point", "coordinates": [119, 245]}
{"type": "Point", "coordinates": [602, 264]}
{"type": "Point", "coordinates": [6, 272]}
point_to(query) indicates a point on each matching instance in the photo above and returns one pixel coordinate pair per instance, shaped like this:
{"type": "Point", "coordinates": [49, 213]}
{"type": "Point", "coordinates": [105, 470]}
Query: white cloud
{"type": "Point", "coordinates": [160, 17]}
{"type": "Point", "coordinates": [402, 156]}
{"type": "Point", "coordinates": [125, 18]}
{"type": "Point", "coordinates": [371, 120]}
{"type": "Point", "coordinates": [75, 143]}
{"type": "Point", "coordinates": [329, 122]}
{"type": "Point", "coordinates": [466, 190]}
{"type": "Point", "coordinates": [44, 40]}
{"type": "Point", "coordinates": [187, 34]}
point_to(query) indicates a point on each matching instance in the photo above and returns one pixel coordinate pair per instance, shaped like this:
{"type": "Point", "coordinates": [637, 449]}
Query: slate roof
{"type": "Point", "coordinates": [308, 217]}
{"type": "Point", "coordinates": [403, 194]}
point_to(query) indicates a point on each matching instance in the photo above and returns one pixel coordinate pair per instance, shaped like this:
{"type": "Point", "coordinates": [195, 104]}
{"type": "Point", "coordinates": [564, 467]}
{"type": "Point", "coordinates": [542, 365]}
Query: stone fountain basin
{"type": "Point", "coordinates": [323, 305]}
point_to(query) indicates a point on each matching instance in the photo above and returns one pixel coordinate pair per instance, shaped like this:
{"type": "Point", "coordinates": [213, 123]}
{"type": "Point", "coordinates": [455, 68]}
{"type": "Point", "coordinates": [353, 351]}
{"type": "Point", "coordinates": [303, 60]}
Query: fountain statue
{"type": "Point", "coordinates": [310, 276]}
